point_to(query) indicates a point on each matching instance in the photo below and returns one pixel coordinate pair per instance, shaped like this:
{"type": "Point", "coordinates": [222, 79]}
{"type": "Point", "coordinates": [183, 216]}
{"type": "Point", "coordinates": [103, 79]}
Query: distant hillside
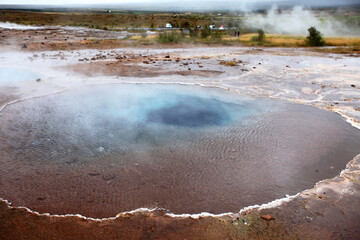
{"type": "Point", "coordinates": [194, 5]}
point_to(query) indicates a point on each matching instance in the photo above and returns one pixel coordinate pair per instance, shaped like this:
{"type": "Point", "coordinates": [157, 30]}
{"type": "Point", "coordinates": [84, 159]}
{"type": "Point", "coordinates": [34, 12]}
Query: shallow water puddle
{"type": "Point", "coordinates": [102, 150]}
{"type": "Point", "coordinates": [16, 74]}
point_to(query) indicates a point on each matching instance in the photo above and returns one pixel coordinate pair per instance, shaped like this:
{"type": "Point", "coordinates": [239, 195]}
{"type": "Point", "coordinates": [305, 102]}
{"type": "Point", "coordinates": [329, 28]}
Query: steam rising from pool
{"type": "Point", "coordinates": [101, 150]}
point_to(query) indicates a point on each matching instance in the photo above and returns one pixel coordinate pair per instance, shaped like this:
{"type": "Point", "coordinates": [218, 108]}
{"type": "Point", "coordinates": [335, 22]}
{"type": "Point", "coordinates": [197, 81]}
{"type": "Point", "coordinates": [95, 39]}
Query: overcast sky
{"type": "Point", "coordinates": [191, 4]}
{"type": "Point", "coordinates": [86, 2]}
{"type": "Point", "coordinates": [57, 2]}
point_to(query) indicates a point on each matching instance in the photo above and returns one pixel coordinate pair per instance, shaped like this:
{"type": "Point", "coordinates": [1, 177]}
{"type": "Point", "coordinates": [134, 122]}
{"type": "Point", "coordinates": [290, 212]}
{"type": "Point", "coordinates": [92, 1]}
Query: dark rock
{"type": "Point", "coordinates": [71, 161]}
{"type": "Point", "coordinates": [24, 46]}
{"type": "Point", "coordinates": [93, 174]}
{"type": "Point", "coordinates": [352, 85]}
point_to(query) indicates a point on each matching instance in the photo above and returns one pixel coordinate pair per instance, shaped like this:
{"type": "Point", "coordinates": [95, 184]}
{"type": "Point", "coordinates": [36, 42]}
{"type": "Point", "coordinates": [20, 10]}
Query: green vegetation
{"type": "Point", "coordinates": [216, 36]}
{"type": "Point", "coordinates": [205, 32]}
{"type": "Point", "coordinates": [143, 35]}
{"type": "Point", "coordinates": [260, 38]}
{"type": "Point", "coordinates": [314, 39]}
{"type": "Point", "coordinates": [169, 37]}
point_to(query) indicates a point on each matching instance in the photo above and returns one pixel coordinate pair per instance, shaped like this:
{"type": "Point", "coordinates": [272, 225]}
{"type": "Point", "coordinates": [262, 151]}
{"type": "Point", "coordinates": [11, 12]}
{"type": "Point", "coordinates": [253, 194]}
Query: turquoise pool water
{"type": "Point", "coordinates": [16, 74]}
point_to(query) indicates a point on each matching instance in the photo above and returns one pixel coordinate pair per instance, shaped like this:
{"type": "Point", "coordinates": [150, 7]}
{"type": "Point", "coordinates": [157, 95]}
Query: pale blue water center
{"type": "Point", "coordinates": [16, 75]}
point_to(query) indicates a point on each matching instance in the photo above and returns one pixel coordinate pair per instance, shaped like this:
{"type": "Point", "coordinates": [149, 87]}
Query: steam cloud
{"type": "Point", "coordinates": [297, 21]}
{"type": "Point", "coordinates": [15, 26]}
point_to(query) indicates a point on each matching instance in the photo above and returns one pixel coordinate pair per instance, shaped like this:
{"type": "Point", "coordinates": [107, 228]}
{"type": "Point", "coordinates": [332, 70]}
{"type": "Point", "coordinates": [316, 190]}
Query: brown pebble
{"type": "Point", "coordinates": [266, 217]}
{"type": "Point", "coordinates": [108, 176]}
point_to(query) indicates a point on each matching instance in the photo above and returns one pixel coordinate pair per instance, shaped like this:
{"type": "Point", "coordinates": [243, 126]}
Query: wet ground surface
{"type": "Point", "coordinates": [324, 81]}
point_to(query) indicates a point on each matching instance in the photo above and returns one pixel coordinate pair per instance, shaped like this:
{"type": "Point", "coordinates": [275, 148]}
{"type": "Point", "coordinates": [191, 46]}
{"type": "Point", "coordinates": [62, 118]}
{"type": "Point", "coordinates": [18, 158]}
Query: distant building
{"type": "Point", "coordinates": [221, 27]}
{"type": "Point", "coordinates": [212, 26]}
{"type": "Point", "coordinates": [168, 25]}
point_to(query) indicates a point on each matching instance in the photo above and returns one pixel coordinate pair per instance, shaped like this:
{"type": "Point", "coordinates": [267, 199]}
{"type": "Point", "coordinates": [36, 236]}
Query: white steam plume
{"type": "Point", "coordinates": [297, 21]}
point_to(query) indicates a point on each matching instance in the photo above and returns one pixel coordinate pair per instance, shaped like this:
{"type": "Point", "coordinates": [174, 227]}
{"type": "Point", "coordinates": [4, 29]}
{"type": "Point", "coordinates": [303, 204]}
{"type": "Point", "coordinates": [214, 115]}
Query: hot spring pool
{"type": "Point", "coordinates": [16, 74]}
{"type": "Point", "coordinates": [101, 150]}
